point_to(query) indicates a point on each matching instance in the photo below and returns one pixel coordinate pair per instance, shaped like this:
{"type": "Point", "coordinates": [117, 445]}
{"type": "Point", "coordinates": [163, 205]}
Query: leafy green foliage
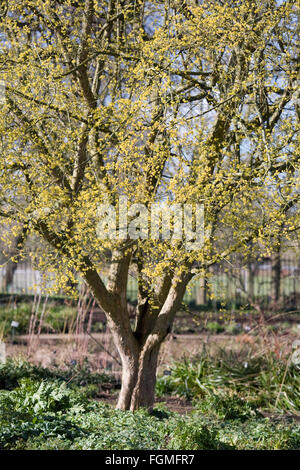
{"type": "Point", "coordinates": [194, 435]}
{"type": "Point", "coordinates": [38, 408]}
{"type": "Point", "coordinates": [41, 429]}
{"type": "Point", "coordinates": [42, 397]}
{"type": "Point", "coordinates": [214, 327]}
{"type": "Point", "coordinates": [58, 318]}
{"type": "Point", "coordinates": [260, 434]}
{"type": "Point", "coordinates": [228, 406]}
{"type": "Point", "coordinates": [101, 427]}
{"type": "Point", "coordinates": [13, 370]}
{"type": "Point", "coordinates": [40, 411]}
{"type": "Point", "coordinates": [257, 380]}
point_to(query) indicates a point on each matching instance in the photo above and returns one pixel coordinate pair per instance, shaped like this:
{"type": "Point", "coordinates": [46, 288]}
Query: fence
{"type": "Point", "coordinates": [226, 285]}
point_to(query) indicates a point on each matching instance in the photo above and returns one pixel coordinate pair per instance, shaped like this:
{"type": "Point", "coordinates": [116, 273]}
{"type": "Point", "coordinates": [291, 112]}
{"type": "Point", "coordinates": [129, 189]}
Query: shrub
{"type": "Point", "coordinates": [194, 435]}
{"type": "Point", "coordinates": [233, 328]}
{"type": "Point", "coordinates": [39, 430]}
{"type": "Point", "coordinates": [228, 406]}
{"type": "Point", "coordinates": [214, 327]}
{"type": "Point", "coordinates": [38, 409]}
{"type": "Point", "coordinates": [33, 398]}
{"type": "Point", "coordinates": [58, 318]}
{"type": "Point", "coordinates": [258, 379]}
{"type": "Point", "coordinates": [12, 371]}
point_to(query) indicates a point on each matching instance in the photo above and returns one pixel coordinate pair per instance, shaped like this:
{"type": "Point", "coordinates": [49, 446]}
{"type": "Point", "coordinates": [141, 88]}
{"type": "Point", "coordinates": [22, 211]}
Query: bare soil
{"type": "Point", "coordinates": [175, 404]}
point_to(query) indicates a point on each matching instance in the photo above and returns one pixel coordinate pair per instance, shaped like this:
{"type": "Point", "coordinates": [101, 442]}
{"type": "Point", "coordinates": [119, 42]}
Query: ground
{"type": "Point", "coordinates": [249, 338]}
{"type": "Point", "coordinates": [225, 380]}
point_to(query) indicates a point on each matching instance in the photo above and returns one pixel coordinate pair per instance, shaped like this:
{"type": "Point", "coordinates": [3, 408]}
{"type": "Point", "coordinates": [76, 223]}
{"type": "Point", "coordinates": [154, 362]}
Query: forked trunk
{"type": "Point", "coordinates": [139, 379]}
{"type": "Point", "coordinates": [138, 349]}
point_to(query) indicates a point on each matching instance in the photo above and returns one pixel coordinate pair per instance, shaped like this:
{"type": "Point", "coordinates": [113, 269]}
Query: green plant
{"type": "Point", "coordinates": [58, 318]}
{"type": "Point", "coordinates": [214, 327]}
{"type": "Point", "coordinates": [39, 408]}
{"type": "Point", "coordinates": [228, 406]}
{"type": "Point", "coordinates": [40, 428]}
{"type": "Point", "coordinates": [34, 398]}
{"type": "Point", "coordinates": [264, 380]}
{"type": "Point", "coordinates": [192, 435]}
{"type": "Point", "coordinates": [233, 328]}
{"type": "Point", "coordinates": [12, 371]}
{"type": "Point", "coordinates": [185, 379]}
{"type": "Point", "coordinates": [39, 415]}
{"type": "Point", "coordinates": [260, 434]}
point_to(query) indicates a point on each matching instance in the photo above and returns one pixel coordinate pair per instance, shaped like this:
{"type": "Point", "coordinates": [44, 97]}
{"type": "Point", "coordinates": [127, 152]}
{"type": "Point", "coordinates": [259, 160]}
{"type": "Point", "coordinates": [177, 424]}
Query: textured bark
{"type": "Point", "coordinates": [276, 276]}
{"type": "Point", "coordinates": [129, 378]}
{"type": "Point", "coordinates": [251, 276]}
{"type": "Point", "coordinates": [9, 274]}
{"type": "Point", "coordinates": [144, 391]}
{"type": "Point", "coordinates": [11, 266]}
{"type": "Point", "coordinates": [138, 348]}
{"type": "Point", "coordinates": [139, 379]}
{"type": "Point", "coordinates": [201, 293]}
{"type": "Point", "coordinates": [139, 354]}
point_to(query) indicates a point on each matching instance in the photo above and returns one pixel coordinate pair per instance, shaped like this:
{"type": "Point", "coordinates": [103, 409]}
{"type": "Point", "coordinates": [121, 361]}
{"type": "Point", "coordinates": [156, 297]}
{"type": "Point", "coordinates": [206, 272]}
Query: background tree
{"type": "Point", "coordinates": [11, 257]}
{"type": "Point", "coordinates": [157, 100]}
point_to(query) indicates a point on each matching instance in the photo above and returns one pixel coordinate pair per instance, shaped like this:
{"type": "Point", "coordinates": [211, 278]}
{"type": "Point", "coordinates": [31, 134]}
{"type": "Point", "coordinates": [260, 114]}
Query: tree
{"type": "Point", "coordinates": [182, 102]}
{"type": "Point", "coordinates": [13, 258]}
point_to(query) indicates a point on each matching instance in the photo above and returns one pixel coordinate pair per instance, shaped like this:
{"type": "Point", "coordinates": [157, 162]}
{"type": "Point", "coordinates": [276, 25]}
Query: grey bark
{"type": "Point", "coordinates": [139, 348]}
{"type": "Point", "coordinates": [276, 275]}
{"type": "Point", "coordinates": [11, 265]}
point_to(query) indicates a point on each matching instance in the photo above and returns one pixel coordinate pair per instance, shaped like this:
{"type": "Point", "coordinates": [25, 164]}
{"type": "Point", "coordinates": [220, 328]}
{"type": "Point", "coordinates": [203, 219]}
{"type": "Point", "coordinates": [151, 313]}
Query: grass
{"type": "Point", "coordinates": [55, 409]}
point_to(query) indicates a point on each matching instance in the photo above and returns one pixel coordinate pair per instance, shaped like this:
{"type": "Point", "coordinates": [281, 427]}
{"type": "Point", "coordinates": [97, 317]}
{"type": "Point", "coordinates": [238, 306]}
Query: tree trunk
{"type": "Point", "coordinates": [139, 363]}
{"type": "Point", "coordinates": [11, 266]}
{"type": "Point", "coordinates": [139, 379]}
{"type": "Point", "coordinates": [201, 292]}
{"type": "Point", "coordinates": [9, 274]}
{"type": "Point", "coordinates": [138, 348]}
{"type": "Point", "coordinates": [276, 276]}
{"type": "Point", "coordinates": [144, 390]}
{"type": "Point", "coordinates": [129, 378]}
{"type": "Point", "coordinates": [251, 279]}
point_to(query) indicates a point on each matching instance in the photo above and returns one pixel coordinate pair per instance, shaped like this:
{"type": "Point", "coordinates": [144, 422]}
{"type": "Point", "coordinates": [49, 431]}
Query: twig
{"type": "Point", "coordinates": [104, 349]}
